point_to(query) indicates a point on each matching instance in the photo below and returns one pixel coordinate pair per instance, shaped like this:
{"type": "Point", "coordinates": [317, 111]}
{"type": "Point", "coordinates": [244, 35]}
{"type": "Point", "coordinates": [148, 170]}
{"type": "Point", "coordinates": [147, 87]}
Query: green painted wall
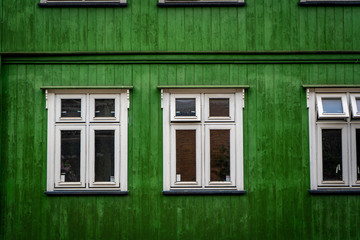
{"type": "Point", "coordinates": [263, 25]}
{"type": "Point", "coordinates": [276, 159]}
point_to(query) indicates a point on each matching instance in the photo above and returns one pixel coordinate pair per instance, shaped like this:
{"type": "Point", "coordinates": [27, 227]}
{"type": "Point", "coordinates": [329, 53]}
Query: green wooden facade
{"type": "Point", "coordinates": [274, 46]}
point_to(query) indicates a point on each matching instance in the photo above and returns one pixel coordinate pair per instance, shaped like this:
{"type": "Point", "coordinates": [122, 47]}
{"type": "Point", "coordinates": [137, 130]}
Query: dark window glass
{"type": "Point", "coordinates": [332, 105]}
{"type": "Point", "coordinates": [220, 155]}
{"type": "Point", "coordinates": [185, 107]}
{"type": "Point", "coordinates": [104, 107]}
{"type": "Point", "coordinates": [332, 154]}
{"type": "Point", "coordinates": [358, 153]}
{"type": "Point", "coordinates": [219, 107]}
{"type": "Point", "coordinates": [358, 105]}
{"type": "Point", "coordinates": [70, 107]}
{"type": "Point", "coordinates": [185, 155]}
{"type": "Point", "coordinates": [70, 156]}
{"type": "Point", "coordinates": [104, 155]}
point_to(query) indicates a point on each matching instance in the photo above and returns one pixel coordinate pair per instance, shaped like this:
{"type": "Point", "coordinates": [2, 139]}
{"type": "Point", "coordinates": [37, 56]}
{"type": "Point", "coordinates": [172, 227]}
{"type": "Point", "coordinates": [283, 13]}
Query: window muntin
{"type": "Point", "coordinates": [87, 153]}
{"type": "Point", "coordinates": [332, 106]}
{"type": "Point", "coordinates": [226, 139]}
{"type": "Point", "coordinates": [185, 107]}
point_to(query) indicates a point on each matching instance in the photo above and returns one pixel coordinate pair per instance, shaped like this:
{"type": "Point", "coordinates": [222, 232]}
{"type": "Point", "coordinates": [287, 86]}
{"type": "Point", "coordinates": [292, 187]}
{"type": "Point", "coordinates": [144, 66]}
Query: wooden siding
{"type": "Point", "coordinates": [262, 25]}
{"type": "Point", "coordinates": [276, 159]}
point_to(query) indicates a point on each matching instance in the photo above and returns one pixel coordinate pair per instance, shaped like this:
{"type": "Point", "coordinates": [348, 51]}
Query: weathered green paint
{"type": "Point", "coordinates": [276, 159]}
{"type": "Point", "coordinates": [263, 25]}
{"type": "Point", "coordinates": [273, 46]}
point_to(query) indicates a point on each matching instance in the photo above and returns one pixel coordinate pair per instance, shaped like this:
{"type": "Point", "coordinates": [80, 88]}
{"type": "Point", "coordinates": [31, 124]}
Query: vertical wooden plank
{"type": "Point", "coordinates": [339, 39]}
{"type": "Point", "coordinates": [348, 28]}
{"type": "Point", "coordinates": [330, 27]}
{"type": "Point", "coordinates": [189, 32]}
{"type": "Point", "coordinates": [215, 29]}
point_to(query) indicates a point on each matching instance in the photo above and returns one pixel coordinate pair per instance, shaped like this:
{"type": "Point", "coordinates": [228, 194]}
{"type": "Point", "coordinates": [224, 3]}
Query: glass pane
{"type": "Point", "coordinates": [70, 156]}
{"type": "Point", "coordinates": [332, 154]}
{"type": "Point", "coordinates": [104, 155]}
{"type": "Point", "coordinates": [185, 155]}
{"type": "Point", "coordinates": [220, 155]}
{"type": "Point", "coordinates": [358, 153]}
{"type": "Point", "coordinates": [70, 107]}
{"type": "Point", "coordinates": [104, 107]}
{"type": "Point", "coordinates": [219, 107]}
{"type": "Point", "coordinates": [332, 105]}
{"type": "Point", "coordinates": [185, 107]}
{"type": "Point", "coordinates": [358, 105]}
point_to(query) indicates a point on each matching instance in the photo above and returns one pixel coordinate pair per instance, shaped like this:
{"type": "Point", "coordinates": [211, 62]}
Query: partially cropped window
{"type": "Point", "coordinates": [334, 138]}
{"type": "Point", "coordinates": [87, 140]}
{"type": "Point", "coordinates": [203, 139]}
{"type": "Point", "coordinates": [83, 3]}
{"type": "Point", "coordinates": [328, 2]}
{"type": "Point", "coordinates": [201, 2]}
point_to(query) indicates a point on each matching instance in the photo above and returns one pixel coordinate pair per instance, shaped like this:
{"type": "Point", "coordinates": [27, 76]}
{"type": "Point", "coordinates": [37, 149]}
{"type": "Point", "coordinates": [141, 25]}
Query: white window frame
{"type": "Point", "coordinates": [116, 117]}
{"type": "Point", "coordinates": [87, 126]}
{"type": "Point", "coordinates": [354, 108]}
{"type": "Point", "coordinates": [345, 166]}
{"type": "Point", "coordinates": [202, 1]}
{"type": "Point", "coordinates": [236, 137]}
{"type": "Point", "coordinates": [344, 102]}
{"type": "Point", "coordinates": [91, 166]}
{"type": "Point", "coordinates": [348, 126]}
{"type": "Point", "coordinates": [209, 118]}
{"type": "Point", "coordinates": [86, 1]}
{"type": "Point", "coordinates": [197, 117]}
{"type": "Point", "coordinates": [59, 97]}
{"type": "Point", "coordinates": [208, 182]}
{"type": "Point", "coordinates": [174, 181]}
{"type": "Point", "coordinates": [58, 182]}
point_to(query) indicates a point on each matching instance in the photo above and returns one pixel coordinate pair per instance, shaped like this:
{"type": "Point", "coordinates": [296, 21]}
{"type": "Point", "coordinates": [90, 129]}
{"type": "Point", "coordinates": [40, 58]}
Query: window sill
{"type": "Point", "coordinates": [85, 193]}
{"type": "Point", "coordinates": [81, 4]}
{"type": "Point", "coordinates": [202, 4]}
{"type": "Point", "coordinates": [329, 3]}
{"type": "Point", "coordinates": [203, 192]}
{"type": "Point", "coordinates": [335, 192]}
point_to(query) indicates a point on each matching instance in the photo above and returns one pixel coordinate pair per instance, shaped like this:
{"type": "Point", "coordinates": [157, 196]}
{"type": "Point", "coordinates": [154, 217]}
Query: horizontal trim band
{"type": "Point", "coordinates": [81, 4]}
{"type": "Point", "coordinates": [203, 192]}
{"type": "Point", "coordinates": [328, 3]}
{"type": "Point", "coordinates": [335, 192]}
{"type": "Point", "coordinates": [201, 86]}
{"type": "Point", "coordinates": [202, 4]}
{"type": "Point", "coordinates": [331, 86]}
{"type": "Point", "coordinates": [86, 87]}
{"type": "Point", "coordinates": [181, 58]}
{"type": "Point", "coordinates": [85, 193]}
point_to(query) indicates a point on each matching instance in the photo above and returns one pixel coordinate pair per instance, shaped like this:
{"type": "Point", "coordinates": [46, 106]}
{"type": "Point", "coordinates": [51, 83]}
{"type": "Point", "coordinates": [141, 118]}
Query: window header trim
{"type": "Point", "coordinates": [329, 3]}
{"type": "Point", "coordinates": [81, 4]}
{"type": "Point", "coordinates": [202, 4]}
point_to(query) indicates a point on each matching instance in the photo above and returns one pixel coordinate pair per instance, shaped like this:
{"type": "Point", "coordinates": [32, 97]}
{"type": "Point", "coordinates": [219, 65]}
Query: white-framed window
{"type": "Point", "coordinates": [204, 152]}
{"type": "Point", "coordinates": [329, 1]}
{"type": "Point", "coordinates": [201, 1]}
{"type": "Point", "coordinates": [83, 1]}
{"type": "Point", "coordinates": [334, 138]}
{"type": "Point", "coordinates": [87, 139]}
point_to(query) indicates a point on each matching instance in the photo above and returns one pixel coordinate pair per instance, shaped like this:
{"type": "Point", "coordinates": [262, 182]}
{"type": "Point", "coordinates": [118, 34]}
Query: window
{"type": "Point", "coordinates": [165, 3]}
{"type": "Point", "coordinates": [328, 2]}
{"type": "Point", "coordinates": [82, 3]}
{"type": "Point", "coordinates": [87, 140]}
{"type": "Point", "coordinates": [334, 138]}
{"type": "Point", "coordinates": [202, 139]}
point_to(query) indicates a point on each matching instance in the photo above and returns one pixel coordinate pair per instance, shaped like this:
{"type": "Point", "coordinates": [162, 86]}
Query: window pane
{"type": "Point", "coordinates": [70, 156]}
{"type": "Point", "coordinates": [358, 153]}
{"type": "Point", "coordinates": [332, 105]}
{"type": "Point", "coordinates": [220, 155]}
{"type": "Point", "coordinates": [358, 104]}
{"type": "Point", "coordinates": [104, 107]}
{"type": "Point", "coordinates": [185, 155]}
{"type": "Point", "coordinates": [332, 154]}
{"type": "Point", "coordinates": [104, 155]}
{"type": "Point", "coordinates": [185, 107]}
{"type": "Point", "coordinates": [219, 107]}
{"type": "Point", "coordinates": [70, 107]}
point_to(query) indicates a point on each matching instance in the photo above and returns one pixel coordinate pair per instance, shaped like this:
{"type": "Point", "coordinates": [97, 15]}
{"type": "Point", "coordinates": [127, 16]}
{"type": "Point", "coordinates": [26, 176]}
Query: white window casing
{"type": "Point", "coordinates": [87, 124]}
{"type": "Point", "coordinates": [203, 124]}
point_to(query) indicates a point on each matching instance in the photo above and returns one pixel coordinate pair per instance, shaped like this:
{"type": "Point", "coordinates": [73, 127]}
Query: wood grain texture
{"type": "Point", "coordinates": [276, 161]}
{"type": "Point", "coordinates": [263, 25]}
